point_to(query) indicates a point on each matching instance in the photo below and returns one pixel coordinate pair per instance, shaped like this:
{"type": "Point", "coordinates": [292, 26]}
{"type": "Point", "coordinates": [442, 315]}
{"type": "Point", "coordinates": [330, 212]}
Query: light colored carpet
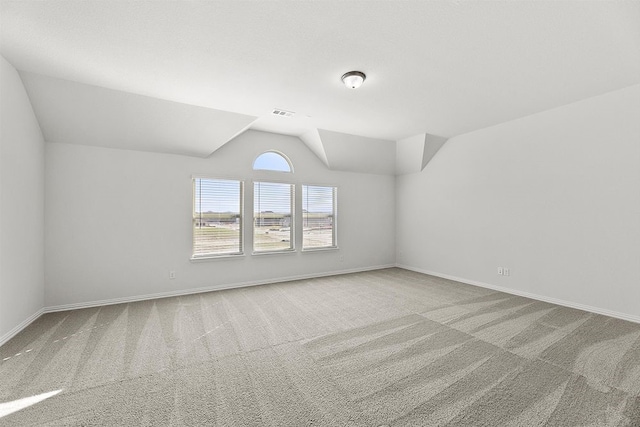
{"type": "Point", "coordinates": [387, 347]}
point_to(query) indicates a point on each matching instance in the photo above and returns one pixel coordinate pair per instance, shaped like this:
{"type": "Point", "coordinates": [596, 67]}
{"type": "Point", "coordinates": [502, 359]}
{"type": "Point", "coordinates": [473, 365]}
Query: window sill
{"type": "Point", "coordinates": [326, 249]}
{"type": "Point", "coordinates": [280, 252]}
{"type": "Point", "coordinates": [216, 257]}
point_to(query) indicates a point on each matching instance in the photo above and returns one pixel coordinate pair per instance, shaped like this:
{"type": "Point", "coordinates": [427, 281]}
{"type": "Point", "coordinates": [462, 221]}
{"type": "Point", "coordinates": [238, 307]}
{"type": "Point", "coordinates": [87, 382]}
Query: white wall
{"type": "Point", "coordinates": [21, 206]}
{"type": "Point", "coordinates": [554, 196]}
{"type": "Point", "coordinates": [117, 221]}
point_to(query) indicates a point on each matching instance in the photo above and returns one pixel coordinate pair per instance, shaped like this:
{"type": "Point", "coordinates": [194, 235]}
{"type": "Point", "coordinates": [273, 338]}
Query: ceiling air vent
{"type": "Point", "coordinates": [282, 113]}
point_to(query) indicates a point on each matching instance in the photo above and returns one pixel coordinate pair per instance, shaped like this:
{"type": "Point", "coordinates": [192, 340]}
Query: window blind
{"type": "Point", "coordinates": [318, 217]}
{"type": "Point", "coordinates": [217, 217]}
{"type": "Point", "coordinates": [272, 216]}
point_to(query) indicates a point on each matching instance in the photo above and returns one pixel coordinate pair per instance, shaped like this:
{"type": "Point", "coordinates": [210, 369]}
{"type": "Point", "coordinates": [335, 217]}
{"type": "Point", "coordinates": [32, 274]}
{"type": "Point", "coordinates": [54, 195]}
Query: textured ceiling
{"type": "Point", "coordinates": [442, 68]}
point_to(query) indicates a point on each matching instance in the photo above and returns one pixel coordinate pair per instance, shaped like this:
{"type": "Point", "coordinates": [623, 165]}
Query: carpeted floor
{"type": "Point", "coordinates": [381, 348]}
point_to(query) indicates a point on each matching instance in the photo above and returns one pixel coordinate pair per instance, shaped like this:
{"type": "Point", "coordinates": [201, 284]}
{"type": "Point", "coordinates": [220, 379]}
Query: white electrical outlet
{"type": "Point", "coordinates": [172, 274]}
{"type": "Point", "coordinates": [500, 271]}
{"type": "Point", "coordinates": [505, 271]}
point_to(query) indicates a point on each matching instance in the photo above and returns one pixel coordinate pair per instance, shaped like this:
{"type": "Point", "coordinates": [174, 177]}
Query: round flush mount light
{"type": "Point", "coordinates": [353, 79]}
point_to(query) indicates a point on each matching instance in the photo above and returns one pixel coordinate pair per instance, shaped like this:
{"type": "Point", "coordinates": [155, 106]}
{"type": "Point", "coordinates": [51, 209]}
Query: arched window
{"type": "Point", "coordinates": [272, 161]}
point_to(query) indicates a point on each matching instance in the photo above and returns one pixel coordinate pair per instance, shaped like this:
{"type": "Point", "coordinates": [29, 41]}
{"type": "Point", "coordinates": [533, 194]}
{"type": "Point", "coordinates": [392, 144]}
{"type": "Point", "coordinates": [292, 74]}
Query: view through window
{"type": "Point", "coordinates": [217, 217]}
{"type": "Point", "coordinates": [318, 217]}
{"type": "Point", "coordinates": [272, 216]}
{"type": "Point", "coordinates": [272, 161]}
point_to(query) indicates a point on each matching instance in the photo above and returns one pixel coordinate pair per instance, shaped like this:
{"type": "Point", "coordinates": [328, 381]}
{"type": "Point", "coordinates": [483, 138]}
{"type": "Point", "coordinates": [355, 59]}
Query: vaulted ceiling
{"type": "Point", "coordinates": [186, 77]}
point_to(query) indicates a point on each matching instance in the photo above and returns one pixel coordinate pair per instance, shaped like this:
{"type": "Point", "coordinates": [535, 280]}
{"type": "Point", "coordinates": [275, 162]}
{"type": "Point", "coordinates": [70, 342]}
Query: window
{"type": "Point", "coordinates": [272, 217]}
{"type": "Point", "coordinates": [272, 161]}
{"type": "Point", "coordinates": [217, 217]}
{"type": "Point", "coordinates": [318, 217]}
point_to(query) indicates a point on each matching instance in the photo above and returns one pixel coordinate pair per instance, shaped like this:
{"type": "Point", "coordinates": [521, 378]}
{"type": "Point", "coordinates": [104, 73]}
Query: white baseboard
{"type": "Point", "coordinates": [6, 337]}
{"type": "Point", "coordinates": [570, 304]}
{"type": "Point", "coordinates": [124, 300]}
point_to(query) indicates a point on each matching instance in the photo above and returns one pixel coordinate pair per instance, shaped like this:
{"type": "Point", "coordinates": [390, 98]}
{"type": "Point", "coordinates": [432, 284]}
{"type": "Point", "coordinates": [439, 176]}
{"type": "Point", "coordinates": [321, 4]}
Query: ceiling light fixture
{"type": "Point", "coordinates": [353, 79]}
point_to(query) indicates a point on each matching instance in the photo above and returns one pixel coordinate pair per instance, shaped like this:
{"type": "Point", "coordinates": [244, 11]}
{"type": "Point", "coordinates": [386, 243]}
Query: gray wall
{"type": "Point", "coordinates": [554, 196]}
{"type": "Point", "coordinates": [21, 206]}
{"type": "Point", "coordinates": [117, 221]}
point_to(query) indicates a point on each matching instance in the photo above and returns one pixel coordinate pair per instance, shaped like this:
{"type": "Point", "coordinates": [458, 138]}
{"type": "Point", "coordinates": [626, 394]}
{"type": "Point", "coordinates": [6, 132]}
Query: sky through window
{"type": "Point", "coordinates": [271, 161]}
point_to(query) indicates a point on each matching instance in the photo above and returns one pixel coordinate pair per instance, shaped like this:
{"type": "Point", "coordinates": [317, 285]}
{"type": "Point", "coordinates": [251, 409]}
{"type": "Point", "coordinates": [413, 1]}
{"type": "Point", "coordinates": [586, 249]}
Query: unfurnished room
{"type": "Point", "coordinates": [320, 213]}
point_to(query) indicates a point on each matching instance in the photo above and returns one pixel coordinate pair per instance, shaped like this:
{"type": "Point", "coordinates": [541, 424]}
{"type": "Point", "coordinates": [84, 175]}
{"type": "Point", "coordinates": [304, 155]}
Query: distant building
{"type": "Point", "coordinates": [210, 219]}
{"type": "Point", "coordinates": [317, 221]}
{"type": "Point", "coordinates": [270, 219]}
